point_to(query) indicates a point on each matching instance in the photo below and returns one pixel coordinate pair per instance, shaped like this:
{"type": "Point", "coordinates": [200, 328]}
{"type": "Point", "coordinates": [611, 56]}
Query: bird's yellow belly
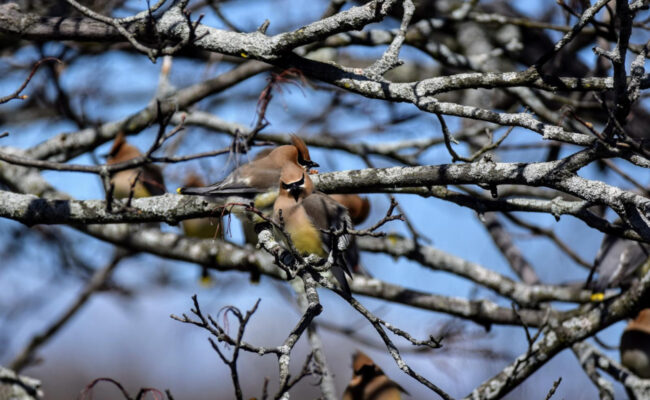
{"type": "Point", "coordinates": [307, 240]}
{"type": "Point", "coordinates": [204, 228]}
{"type": "Point", "coordinates": [123, 182]}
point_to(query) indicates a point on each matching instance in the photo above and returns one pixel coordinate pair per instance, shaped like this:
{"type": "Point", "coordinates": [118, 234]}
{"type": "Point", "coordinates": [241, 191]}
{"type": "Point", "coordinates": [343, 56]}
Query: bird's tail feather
{"type": "Point", "coordinates": [339, 274]}
{"type": "Point", "coordinates": [205, 190]}
{"type": "Point", "coordinates": [225, 191]}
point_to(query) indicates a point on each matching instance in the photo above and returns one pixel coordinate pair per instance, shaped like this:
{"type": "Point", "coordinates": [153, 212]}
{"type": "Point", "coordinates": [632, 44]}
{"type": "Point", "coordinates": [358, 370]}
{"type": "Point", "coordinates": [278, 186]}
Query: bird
{"type": "Point", "coordinates": [308, 216]}
{"type": "Point", "coordinates": [202, 228]}
{"type": "Point", "coordinates": [144, 181]}
{"type": "Point", "coordinates": [259, 175]}
{"type": "Point", "coordinates": [619, 262]}
{"type": "Point", "coordinates": [248, 224]}
{"type": "Point", "coordinates": [358, 207]}
{"type": "Point", "coordinates": [253, 180]}
{"type": "Point", "coordinates": [369, 381]}
{"type": "Point", "coordinates": [635, 345]}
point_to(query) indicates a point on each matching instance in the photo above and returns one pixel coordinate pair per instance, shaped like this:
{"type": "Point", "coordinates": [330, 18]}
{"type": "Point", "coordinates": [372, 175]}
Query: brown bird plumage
{"type": "Point", "coordinates": [369, 382]}
{"type": "Point", "coordinates": [635, 345]}
{"type": "Point", "coordinates": [149, 177]}
{"type": "Point", "coordinates": [259, 175]}
{"type": "Point", "coordinates": [306, 213]}
{"type": "Point", "coordinates": [202, 228]}
{"type": "Point", "coordinates": [272, 175]}
{"type": "Point", "coordinates": [263, 153]}
{"type": "Point", "coordinates": [358, 207]}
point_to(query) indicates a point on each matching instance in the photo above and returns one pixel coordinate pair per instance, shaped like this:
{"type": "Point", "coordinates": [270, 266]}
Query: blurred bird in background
{"type": "Point", "coordinates": [144, 181]}
{"type": "Point", "coordinates": [635, 347]}
{"type": "Point", "coordinates": [202, 228]}
{"type": "Point", "coordinates": [309, 216]}
{"type": "Point", "coordinates": [369, 382]}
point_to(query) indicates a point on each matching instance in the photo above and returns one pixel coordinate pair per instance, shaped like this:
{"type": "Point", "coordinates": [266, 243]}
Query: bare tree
{"type": "Point", "coordinates": [528, 113]}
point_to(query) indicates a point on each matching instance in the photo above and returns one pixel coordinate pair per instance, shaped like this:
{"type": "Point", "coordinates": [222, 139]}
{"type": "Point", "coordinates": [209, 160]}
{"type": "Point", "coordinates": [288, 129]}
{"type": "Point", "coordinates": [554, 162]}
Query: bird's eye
{"type": "Point", "coordinates": [284, 185]}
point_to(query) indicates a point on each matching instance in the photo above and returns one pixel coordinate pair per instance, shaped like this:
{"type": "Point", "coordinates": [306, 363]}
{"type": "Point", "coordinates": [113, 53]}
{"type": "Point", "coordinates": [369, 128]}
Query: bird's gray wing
{"type": "Point", "coordinates": [243, 182]}
{"type": "Point", "coordinates": [618, 261]}
{"type": "Point", "coordinates": [327, 214]}
{"type": "Point", "coordinates": [152, 179]}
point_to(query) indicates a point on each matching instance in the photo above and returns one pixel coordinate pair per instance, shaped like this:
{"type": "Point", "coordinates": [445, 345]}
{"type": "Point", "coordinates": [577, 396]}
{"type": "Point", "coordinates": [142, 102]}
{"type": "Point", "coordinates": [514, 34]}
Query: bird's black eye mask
{"type": "Point", "coordinates": [306, 163]}
{"type": "Point", "coordinates": [367, 371]}
{"type": "Point", "coordinates": [289, 186]}
{"type": "Point", "coordinates": [294, 188]}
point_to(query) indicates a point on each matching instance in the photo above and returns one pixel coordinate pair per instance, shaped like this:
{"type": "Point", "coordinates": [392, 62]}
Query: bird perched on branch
{"type": "Point", "coordinates": [255, 179]}
{"type": "Point", "coordinates": [618, 263]}
{"type": "Point", "coordinates": [144, 181]}
{"type": "Point", "coordinates": [315, 222]}
{"type": "Point", "coordinates": [369, 382]}
{"type": "Point", "coordinates": [202, 228]}
{"type": "Point", "coordinates": [248, 225]}
{"type": "Point", "coordinates": [635, 345]}
{"type": "Point", "coordinates": [259, 175]}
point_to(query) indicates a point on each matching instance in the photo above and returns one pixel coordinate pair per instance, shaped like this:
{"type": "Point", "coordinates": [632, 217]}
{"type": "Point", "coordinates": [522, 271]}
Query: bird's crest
{"type": "Point", "coordinates": [119, 141]}
{"type": "Point", "coordinates": [304, 159]}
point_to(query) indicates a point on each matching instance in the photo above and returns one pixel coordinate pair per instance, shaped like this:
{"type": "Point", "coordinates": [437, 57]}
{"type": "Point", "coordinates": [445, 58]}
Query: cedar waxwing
{"type": "Point", "coordinates": [358, 207]}
{"type": "Point", "coordinates": [369, 382]}
{"type": "Point", "coordinates": [618, 263]}
{"type": "Point", "coordinates": [202, 228]}
{"type": "Point", "coordinates": [306, 216]}
{"type": "Point", "coordinates": [259, 175]}
{"type": "Point", "coordinates": [635, 348]}
{"type": "Point", "coordinates": [149, 177]}
{"type": "Point", "coordinates": [248, 225]}
{"type": "Point", "coordinates": [265, 152]}
{"type": "Point", "coordinates": [635, 345]}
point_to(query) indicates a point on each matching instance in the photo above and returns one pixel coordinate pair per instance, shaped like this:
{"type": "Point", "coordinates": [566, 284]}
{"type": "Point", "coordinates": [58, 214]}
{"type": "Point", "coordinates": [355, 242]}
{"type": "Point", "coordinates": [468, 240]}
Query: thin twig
{"type": "Point", "coordinates": [551, 392]}
{"type": "Point", "coordinates": [550, 234]}
{"type": "Point", "coordinates": [387, 218]}
{"type": "Point", "coordinates": [16, 94]}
